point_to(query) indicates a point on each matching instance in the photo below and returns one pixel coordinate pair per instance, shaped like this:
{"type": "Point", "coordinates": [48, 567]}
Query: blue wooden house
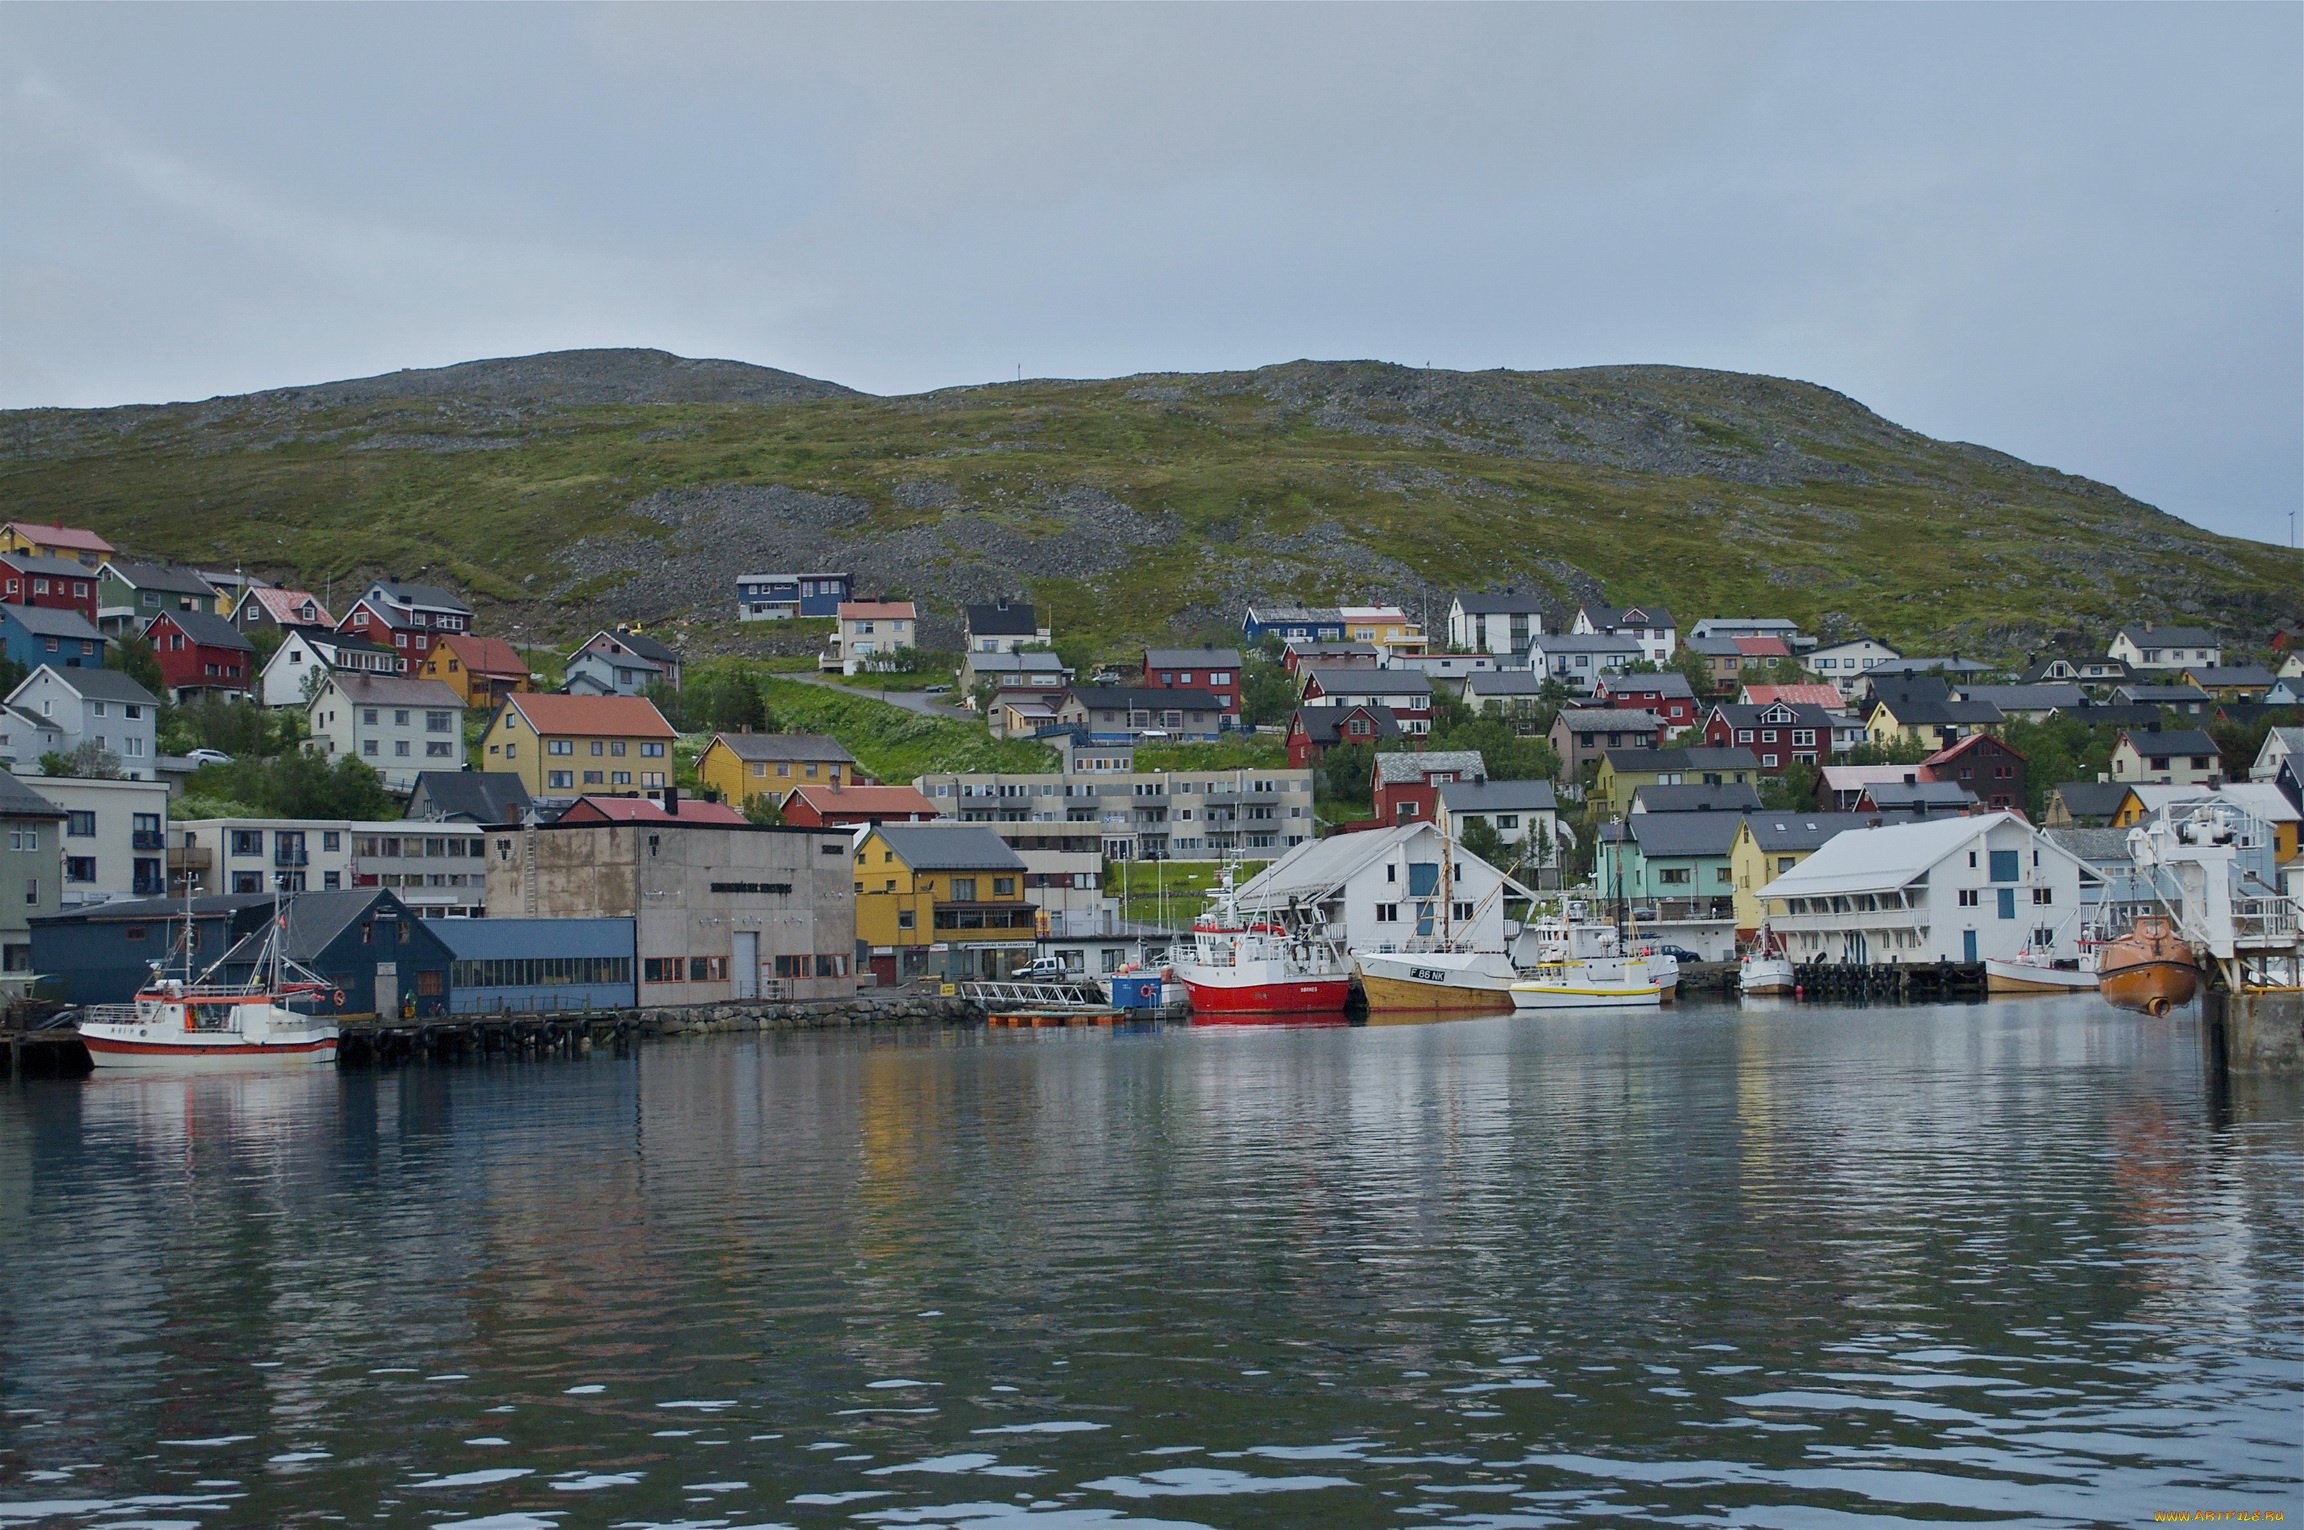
{"type": "Point", "coordinates": [37, 635]}
{"type": "Point", "coordinates": [381, 957]}
{"type": "Point", "coordinates": [779, 597]}
{"type": "Point", "coordinates": [103, 953]}
{"type": "Point", "coordinates": [1316, 624]}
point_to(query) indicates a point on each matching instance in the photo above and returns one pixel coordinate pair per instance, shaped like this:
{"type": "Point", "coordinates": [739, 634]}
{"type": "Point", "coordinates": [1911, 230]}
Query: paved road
{"type": "Point", "coordinates": [910, 701]}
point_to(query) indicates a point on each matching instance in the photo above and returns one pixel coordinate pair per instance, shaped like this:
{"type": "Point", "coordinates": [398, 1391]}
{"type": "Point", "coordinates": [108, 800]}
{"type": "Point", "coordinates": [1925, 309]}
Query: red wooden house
{"type": "Point", "coordinates": [1407, 786]}
{"type": "Point", "coordinates": [842, 807]}
{"type": "Point", "coordinates": [200, 654]}
{"type": "Point", "coordinates": [27, 579]}
{"type": "Point", "coordinates": [1313, 731]}
{"type": "Point", "coordinates": [1214, 670]}
{"type": "Point", "coordinates": [1668, 695]}
{"type": "Point", "coordinates": [1985, 766]}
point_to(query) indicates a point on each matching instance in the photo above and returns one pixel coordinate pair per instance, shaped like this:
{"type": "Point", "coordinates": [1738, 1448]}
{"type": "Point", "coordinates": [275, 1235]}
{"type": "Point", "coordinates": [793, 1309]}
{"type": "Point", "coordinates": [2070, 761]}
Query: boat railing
{"type": "Point", "coordinates": [2261, 923]}
{"type": "Point", "coordinates": [1078, 995]}
{"type": "Point", "coordinates": [108, 1014]}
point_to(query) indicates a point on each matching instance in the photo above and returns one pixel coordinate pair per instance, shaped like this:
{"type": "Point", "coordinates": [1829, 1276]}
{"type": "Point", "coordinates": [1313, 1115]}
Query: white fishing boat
{"type": "Point", "coordinates": [194, 1023]}
{"type": "Point", "coordinates": [1581, 963]}
{"type": "Point", "coordinates": [1766, 969]}
{"type": "Point", "coordinates": [1443, 974]}
{"type": "Point", "coordinates": [2036, 972]}
{"type": "Point", "coordinates": [1440, 982]}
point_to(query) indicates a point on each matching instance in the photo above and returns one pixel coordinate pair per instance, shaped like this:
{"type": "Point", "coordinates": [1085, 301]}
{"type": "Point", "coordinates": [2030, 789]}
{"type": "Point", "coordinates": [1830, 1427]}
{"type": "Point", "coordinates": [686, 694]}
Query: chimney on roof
{"type": "Point", "coordinates": [1910, 779]}
{"type": "Point", "coordinates": [672, 799]}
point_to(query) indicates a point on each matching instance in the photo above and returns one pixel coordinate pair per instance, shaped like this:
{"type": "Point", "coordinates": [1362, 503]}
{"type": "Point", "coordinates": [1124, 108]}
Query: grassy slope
{"type": "Point", "coordinates": [1942, 543]}
{"type": "Point", "coordinates": [893, 744]}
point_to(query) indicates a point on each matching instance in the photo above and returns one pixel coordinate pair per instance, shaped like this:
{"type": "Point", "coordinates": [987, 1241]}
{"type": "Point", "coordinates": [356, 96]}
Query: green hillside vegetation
{"type": "Point", "coordinates": [896, 745]}
{"type": "Point", "coordinates": [1148, 507]}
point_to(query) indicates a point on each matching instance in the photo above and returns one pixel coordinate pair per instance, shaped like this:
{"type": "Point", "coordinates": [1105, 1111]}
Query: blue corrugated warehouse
{"type": "Point", "coordinates": [523, 966]}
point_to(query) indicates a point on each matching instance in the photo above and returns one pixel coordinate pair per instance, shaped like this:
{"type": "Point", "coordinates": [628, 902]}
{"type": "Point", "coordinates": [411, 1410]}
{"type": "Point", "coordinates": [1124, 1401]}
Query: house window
{"type": "Point", "coordinates": [598, 747]}
{"type": "Point", "coordinates": [1387, 913]}
{"type": "Point", "coordinates": [79, 868]}
{"type": "Point", "coordinates": [560, 746]}
{"type": "Point", "coordinates": [652, 751]}
{"type": "Point", "coordinates": [593, 778]}
{"type": "Point", "coordinates": [80, 825]}
{"type": "Point", "coordinates": [663, 969]}
{"type": "Point", "coordinates": [559, 778]}
{"type": "Point", "coordinates": [439, 750]}
{"type": "Point", "coordinates": [707, 969]}
{"type": "Point", "coordinates": [832, 966]}
{"type": "Point", "coordinates": [368, 746]}
{"type": "Point", "coordinates": [906, 919]}
{"type": "Point", "coordinates": [1968, 897]}
{"type": "Point", "coordinates": [2043, 895]}
{"type": "Point", "coordinates": [1003, 887]}
{"type": "Point", "coordinates": [963, 889]}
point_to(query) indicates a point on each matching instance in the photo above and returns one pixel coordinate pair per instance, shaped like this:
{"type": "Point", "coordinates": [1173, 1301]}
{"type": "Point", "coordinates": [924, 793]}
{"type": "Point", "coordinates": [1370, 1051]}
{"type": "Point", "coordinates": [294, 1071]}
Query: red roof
{"type": "Point", "coordinates": [886, 801]}
{"type": "Point", "coordinates": [1825, 696]}
{"type": "Point", "coordinates": [281, 606]}
{"type": "Point", "coordinates": [1761, 647]}
{"type": "Point", "coordinates": [647, 810]}
{"type": "Point", "coordinates": [485, 655]}
{"type": "Point", "coordinates": [60, 536]}
{"type": "Point", "coordinates": [1972, 741]}
{"type": "Point", "coordinates": [605, 716]}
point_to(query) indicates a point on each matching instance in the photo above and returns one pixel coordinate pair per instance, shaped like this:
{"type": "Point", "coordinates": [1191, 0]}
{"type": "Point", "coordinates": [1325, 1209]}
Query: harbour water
{"type": "Point", "coordinates": [1795, 1266]}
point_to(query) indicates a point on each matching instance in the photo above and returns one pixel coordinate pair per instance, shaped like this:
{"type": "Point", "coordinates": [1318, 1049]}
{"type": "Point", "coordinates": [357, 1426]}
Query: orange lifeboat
{"type": "Point", "coordinates": [2150, 969]}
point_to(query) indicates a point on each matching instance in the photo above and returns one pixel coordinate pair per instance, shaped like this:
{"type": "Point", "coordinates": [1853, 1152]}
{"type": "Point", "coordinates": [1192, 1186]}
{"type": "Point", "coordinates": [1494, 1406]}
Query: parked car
{"type": "Point", "coordinates": [207, 757]}
{"type": "Point", "coordinates": [1043, 969]}
{"type": "Point", "coordinates": [935, 690]}
{"type": "Point", "coordinates": [1677, 953]}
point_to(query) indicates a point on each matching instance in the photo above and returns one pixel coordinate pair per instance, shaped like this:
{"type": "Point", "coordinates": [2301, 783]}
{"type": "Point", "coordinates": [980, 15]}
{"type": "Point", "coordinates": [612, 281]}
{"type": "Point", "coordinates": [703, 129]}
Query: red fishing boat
{"type": "Point", "coordinates": [1242, 965]}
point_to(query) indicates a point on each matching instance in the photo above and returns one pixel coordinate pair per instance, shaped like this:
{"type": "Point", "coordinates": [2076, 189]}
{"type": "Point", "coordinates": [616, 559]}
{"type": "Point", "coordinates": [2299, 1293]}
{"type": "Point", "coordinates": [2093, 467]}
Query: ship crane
{"type": "Point", "coordinates": [2210, 865]}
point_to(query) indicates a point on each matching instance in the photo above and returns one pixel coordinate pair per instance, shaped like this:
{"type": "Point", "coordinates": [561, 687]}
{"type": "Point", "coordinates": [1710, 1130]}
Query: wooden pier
{"type": "Point", "coordinates": [1920, 982]}
{"type": "Point", "coordinates": [370, 1042]}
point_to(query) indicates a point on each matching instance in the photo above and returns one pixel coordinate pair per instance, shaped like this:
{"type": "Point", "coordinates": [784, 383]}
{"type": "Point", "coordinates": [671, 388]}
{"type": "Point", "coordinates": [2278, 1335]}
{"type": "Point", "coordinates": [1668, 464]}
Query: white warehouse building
{"type": "Point", "coordinates": [1946, 889]}
{"type": "Point", "coordinates": [1380, 890]}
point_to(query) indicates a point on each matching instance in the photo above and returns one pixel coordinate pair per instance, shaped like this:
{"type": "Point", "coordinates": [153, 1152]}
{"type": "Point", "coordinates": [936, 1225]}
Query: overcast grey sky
{"type": "Point", "coordinates": [2069, 231]}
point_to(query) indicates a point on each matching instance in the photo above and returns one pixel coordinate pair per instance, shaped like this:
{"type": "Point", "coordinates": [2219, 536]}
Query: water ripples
{"type": "Point", "coordinates": [2011, 1262]}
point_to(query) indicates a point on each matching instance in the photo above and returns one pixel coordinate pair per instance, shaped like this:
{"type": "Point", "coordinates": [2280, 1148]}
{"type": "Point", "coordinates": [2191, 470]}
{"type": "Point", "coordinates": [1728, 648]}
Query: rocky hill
{"type": "Point", "coordinates": [565, 489]}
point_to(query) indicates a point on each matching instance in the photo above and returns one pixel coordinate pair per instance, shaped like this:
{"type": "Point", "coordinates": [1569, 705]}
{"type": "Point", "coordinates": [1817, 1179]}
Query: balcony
{"type": "Point", "coordinates": [148, 839]}
{"type": "Point", "coordinates": [189, 858]}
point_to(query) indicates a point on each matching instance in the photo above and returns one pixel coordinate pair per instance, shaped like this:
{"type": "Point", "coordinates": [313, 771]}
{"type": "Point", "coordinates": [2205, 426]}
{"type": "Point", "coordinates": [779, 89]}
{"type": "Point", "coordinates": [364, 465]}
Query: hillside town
{"type": "Point", "coordinates": [187, 746]}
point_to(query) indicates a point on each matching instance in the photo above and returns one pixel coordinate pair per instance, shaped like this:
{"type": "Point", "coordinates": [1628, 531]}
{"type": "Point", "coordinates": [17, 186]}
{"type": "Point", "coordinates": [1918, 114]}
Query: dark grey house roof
{"type": "Point", "coordinates": [155, 910]}
{"type": "Point", "coordinates": [786, 746]}
{"type": "Point", "coordinates": [1683, 834]}
{"type": "Point", "coordinates": [644, 646]}
{"type": "Point", "coordinates": [1012, 620]}
{"type": "Point", "coordinates": [1323, 724]}
{"type": "Point", "coordinates": [954, 847]}
{"type": "Point", "coordinates": [315, 919]}
{"type": "Point", "coordinates": [1775, 832]}
{"type": "Point", "coordinates": [1192, 658]}
{"type": "Point", "coordinates": [470, 796]}
{"type": "Point", "coordinates": [1370, 682]}
{"type": "Point", "coordinates": [207, 629]}
{"type": "Point", "coordinates": [1152, 697]}
{"type": "Point", "coordinates": [155, 576]}
{"type": "Point", "coordinates": [2092, 799]}
{"type": "Point", "coordinates": [1670, 683]}
{"type": "Point", "coordinates": [20, 801]}
{"type": "Point", "coordinates": [2153, 635]}
{"type": "Point", "coordinates": [104, 685]}
{"type": "Point", "coordinates": [2097, 846]}
{"type": "Point", "coordinates": [420, 595]}
{"type": "Point", "coordinates": [54, 621]}
{"type": "Point", "coordinates": [1649, 761]}
{"type": "Point", "coordinates": [2044, 697]}
{"type": "Point", "coordinates": [2171, 741]}
{"type": "Point", "coordinates": [1730, 797]}
{"type": "Point", "coordinates": [1908, 796]}
{"type": "Point", "coordinates": [1499, 797]}
{"type": "Point", "coordinates": [1506, 602]}
{"type": "Point", "coordinates": [1604, 617]}
{"type": "Point", "coordinates": [54, 568]}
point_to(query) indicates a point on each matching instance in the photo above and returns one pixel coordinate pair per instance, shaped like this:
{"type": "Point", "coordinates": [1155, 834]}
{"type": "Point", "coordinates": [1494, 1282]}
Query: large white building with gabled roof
{"type": "Point", "coordinates": [1948, 889]}
{"type": "Point", "coordinates": [1381, 890]}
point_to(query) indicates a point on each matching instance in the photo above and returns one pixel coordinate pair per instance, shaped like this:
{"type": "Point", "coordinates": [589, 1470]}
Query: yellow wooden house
{"type": "Point", "coordinates": [958, 886]}
{"type": "Point", "coordinates": [741, 766]}
{"type": "Point", "coordinates": [1769, 843]}
{"type": "Point", "coordinates": [563, 746]}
